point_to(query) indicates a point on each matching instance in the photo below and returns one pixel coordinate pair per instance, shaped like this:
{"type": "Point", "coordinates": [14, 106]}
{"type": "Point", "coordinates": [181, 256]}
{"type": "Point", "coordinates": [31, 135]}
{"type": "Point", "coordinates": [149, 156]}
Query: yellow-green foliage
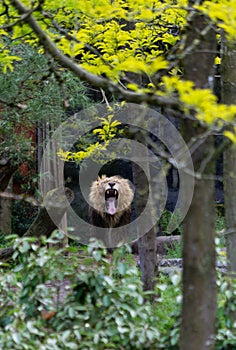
{"type": "Point", "coordinates": [7, 60]}
{"type": "Point", "coordinates": [124, 34]}
{"type": "Point", "coordinates": [110, 38]}
{"type": "Point", "coordinates": [223, 13]}
{"type": "Point", "coordinates": [105, 132]}
{"type": "Point", "coordinates": [203, 101]}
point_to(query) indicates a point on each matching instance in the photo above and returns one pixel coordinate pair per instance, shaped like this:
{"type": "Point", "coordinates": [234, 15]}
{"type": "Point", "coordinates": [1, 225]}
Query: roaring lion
{"type": "Point", "coordinates": [110, 201]}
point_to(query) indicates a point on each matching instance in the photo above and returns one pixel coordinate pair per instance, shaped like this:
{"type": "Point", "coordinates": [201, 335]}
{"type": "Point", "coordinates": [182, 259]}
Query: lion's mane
{"type": "Point", "coordinates": [100, 190]}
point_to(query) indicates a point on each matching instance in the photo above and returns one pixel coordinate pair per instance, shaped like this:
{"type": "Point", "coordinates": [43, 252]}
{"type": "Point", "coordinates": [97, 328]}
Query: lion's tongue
{"type": "Point", "coordinates": [111, 207]}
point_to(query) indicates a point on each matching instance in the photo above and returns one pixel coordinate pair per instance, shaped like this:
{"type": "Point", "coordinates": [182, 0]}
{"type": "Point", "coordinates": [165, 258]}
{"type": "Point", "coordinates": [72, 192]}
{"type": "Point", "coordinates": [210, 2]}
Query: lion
{"type": "Point", "coordinates": [110, 204]}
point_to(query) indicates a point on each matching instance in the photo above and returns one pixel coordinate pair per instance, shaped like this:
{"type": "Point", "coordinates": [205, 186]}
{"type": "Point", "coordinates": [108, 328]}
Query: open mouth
{"type": "Point", "coordinates": [111, 193]}
{"type": "Point", "coordinates": [111, 196]}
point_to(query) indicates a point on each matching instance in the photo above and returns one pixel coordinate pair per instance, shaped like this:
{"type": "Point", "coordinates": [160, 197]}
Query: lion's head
{"type": "Point", "coordinates": [111, 195]}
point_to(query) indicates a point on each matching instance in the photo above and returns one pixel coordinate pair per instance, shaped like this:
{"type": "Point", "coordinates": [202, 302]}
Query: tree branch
{"type": "Point", "coordinates": [21, 197]}
{"type": "Point", "coordinates": [100, 82]}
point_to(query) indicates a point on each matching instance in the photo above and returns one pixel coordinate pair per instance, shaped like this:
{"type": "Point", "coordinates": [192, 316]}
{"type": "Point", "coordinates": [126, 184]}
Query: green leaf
{"type": "Point", "coordinates": [16, 337]}
{"type": "Point", "coordinates": [122, 268]}
{"type": "Point", "coordinates": [97, 255]}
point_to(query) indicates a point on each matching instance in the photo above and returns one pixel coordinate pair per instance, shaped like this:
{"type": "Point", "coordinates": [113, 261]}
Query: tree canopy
{"type": "Point", "coordinates": [108, 43]}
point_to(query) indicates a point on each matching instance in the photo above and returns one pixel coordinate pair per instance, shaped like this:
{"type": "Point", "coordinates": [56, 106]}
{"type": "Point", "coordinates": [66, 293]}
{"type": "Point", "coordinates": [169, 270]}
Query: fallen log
{"type": "Point", "coordinates": [163, 244]}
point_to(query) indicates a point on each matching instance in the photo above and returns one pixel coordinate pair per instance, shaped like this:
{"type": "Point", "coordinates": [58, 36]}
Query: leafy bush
{"type": "Point", "coordinates": [226, 321]}
{"type": "Point", "coordinates": [23, 214]}
{"type": "Point", "coordinates": [103, 305]}
{"type": "Point", "coordinates": [175, 251]}
{"type": "Point", "coordinates": [164, 222]}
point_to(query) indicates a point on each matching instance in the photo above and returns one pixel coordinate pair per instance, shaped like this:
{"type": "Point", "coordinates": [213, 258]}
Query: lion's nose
{"type": "Point", "coordinates": [111, 184]}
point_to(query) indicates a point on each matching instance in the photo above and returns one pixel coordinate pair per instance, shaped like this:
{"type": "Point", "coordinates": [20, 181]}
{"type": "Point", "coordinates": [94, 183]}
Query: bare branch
{"type": "Point", "coordinates": [21, 197]}
{"type": "Point", "coordinates": [12, 104]}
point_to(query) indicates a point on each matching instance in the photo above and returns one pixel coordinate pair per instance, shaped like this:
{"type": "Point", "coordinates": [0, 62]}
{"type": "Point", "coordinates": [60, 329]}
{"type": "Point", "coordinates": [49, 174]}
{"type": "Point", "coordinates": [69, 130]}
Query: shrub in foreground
{"type": "Point", "coordinates": [65, 299]}
{"type": "Point", "coordinates": [53, 299]}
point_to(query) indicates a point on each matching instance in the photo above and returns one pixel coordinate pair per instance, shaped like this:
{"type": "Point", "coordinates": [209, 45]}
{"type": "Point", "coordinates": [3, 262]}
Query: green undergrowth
{"type": "Point", "coordinates": [175, 250]}
{"type": "Point", "coordinates": [102, 304]}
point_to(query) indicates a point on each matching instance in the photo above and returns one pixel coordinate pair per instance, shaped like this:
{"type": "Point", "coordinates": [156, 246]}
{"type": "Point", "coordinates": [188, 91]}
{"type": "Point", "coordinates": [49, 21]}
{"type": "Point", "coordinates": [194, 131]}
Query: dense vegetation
{"type": "Point", "coordinates": [45, 305]}
{"type": "Point", "coordinates": [162, 54]}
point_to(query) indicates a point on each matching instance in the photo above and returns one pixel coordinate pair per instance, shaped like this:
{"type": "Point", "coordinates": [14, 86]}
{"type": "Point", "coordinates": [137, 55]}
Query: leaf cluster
{"type": "Point", "coordinates": [202, 101]}
{"type": "Point", "coordinates": [103, 305]}
{"type": "Point", "coordinates": [64, 299]}
{"type": "Point", "coordinates": [36, 92]}
{"type": "Point", "coordinates": [132, 43]}
{"type": "Point", "coordinates": [226, 325]}
{"type": "Point", "coordinates": [129, 37]}
{"type": "Point", "coordinates": [223, 13]}
{"type": "Point", "coordinates": [105, 133]}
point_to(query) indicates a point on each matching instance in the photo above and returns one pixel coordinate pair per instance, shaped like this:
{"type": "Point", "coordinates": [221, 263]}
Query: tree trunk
{"type": "Point", "coordinates": [6, 212]}
{"type": "Point", "coordinates": [230, 206]}
{"type": "Point", "coordinates": [48, 218]}
{"type": "Point", "coordinates": [228, 90]}
{"type": "Point", "coordinates": [51, 164]}
{"type": "Point", "coordinates": [228, 79]}
{"type": "Point", "coordinates": [199, 276]}
{"type": "Point", "coordinates": [147, 244]}
{"type": "Point", "coordinates": [6, 172]}
{"type": "Point", "coordinates": [164, 243]}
